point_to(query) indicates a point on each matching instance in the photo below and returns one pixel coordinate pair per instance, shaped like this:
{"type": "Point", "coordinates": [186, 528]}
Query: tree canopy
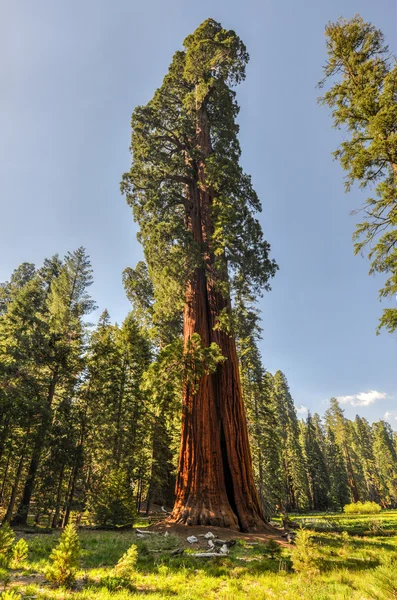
{"type": "Point", "coordinates": [362, 79]}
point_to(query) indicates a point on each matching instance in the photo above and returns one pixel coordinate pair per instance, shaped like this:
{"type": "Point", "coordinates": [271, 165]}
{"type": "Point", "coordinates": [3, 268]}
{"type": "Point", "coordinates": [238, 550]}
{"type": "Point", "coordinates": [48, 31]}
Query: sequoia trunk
{"type": "Point", "coordinates": [215, 485]}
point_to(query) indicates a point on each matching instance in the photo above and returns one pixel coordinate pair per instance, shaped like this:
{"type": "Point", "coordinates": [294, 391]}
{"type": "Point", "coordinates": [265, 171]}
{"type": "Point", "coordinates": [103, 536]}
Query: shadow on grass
{"type": "Point", "coordinates": [356, 543]}
{"type": "Point", "coordinates": [350, 564]}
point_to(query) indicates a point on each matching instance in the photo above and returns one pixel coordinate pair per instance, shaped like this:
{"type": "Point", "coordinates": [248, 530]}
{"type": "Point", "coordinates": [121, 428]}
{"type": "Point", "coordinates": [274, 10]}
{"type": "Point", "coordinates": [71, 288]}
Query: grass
{"type": "Point", "coordinates": [384, 523]}
{"type": "Point", "coordinates": [347, 563]}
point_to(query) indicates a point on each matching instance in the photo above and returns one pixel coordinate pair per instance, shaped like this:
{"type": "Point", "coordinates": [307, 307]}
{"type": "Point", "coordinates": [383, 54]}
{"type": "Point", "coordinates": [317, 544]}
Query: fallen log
{"type": "Point", "coordinates": [143, 532]}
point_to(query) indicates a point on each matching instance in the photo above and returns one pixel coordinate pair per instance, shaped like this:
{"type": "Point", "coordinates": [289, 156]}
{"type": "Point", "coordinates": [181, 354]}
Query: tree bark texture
{"type": "Point", "coordinates": [215, 485]}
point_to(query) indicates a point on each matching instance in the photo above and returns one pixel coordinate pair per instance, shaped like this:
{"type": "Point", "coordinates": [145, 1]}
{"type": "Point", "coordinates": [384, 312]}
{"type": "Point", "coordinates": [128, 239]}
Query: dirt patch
{"type": "Point", "coordinates": [35, 578]}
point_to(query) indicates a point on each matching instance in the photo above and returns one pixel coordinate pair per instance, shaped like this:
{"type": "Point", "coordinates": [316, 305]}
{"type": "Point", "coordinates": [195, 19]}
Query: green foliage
{"type": "Point", "coordinates": [65, 559]}
{"type": "Point", "coordinates": [20, 553]}
{"type": "Point", "coordinates": [199, 360]}
{"type": "Point", "coordinates": [273, 549]}
{"type": "Point", "coordinates": [363, 101]}
{"type": "Point", "coordinates": [294, 476]}
{"type": "Point", "coordinates": [7, 537]}
{"type": "Point", "coordinates": [384, 580]}
{"type": "Point", "coordinates": [125, 568]}
{"type": "Point", "coordinates": [305, 556]}
{"type": "Point", "coordinates": [112, 500]}
{"type": "Point", "coordinates": [167, 158]}
{"type": "Point", "coordinates": [5, 577]}
{"type": "Point", "coordinates": [362, 508]}
{"type": "Point", "coordinates": [315, 460]}
{"type": "Point", "coordinates": [10, 595]}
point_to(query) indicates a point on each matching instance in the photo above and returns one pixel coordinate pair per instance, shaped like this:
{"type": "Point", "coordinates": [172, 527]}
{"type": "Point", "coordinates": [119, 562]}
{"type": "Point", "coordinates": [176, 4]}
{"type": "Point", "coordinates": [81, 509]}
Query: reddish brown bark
{"type": "Point", "coordinates": [215, 485]}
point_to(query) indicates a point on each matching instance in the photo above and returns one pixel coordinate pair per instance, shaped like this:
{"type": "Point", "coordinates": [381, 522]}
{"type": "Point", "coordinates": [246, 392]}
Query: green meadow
{"type": "Point", "coordinates": [351, 557]}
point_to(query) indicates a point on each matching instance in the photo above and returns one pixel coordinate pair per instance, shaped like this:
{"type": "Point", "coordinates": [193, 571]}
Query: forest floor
{"type": "Point", "coordinates": [352, 554]}
{"type": "Point", "coordinates": [183, 532]}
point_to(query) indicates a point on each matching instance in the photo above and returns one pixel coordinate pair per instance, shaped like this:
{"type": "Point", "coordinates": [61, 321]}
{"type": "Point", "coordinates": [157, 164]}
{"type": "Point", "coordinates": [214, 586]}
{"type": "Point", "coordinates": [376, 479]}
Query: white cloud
{"type": "Point", "coordinates": [302, 410]}
{"type": "Point", "coordinates": [390, 416]}
{"type": "Point", "coordinates": [363, 398]}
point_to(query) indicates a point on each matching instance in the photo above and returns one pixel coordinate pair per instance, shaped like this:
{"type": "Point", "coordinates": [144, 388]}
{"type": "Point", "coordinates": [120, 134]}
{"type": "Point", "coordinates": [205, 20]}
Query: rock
{"type": "Point", "coordinates": [209, 535]}
{"type": "Point", "coordinates": [177, 552]}
{"type": "Point", "coordinates": [224, 549]}
{"type": "Point", "coordinates": [192, 539]}
{"type": "Point", "coordinates": [227, 543]}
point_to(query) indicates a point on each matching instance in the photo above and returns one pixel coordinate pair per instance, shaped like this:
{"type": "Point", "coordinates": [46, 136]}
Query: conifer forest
{"type": "Point", "coordinates": [170, 421]}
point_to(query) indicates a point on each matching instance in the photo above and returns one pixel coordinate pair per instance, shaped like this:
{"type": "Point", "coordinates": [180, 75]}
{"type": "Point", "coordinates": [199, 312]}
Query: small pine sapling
{"type": "Point", "coordinates": [305, 556]}
{"type": "Point", "coordinates": [7, 537]}
{"type": "Point", "coordinates": [10, 595]}
{"type": "Point", "coordinates": [5, 577]}
{"type": "Point", "coordinates": [384, 580]}
{"type": "Point", "coordinates": [65, 559]}
{"type": "Point", "coordinates": [20, 553]}
{"type": "Point", "coordinates": [273, 549]}
{"type": "Point", "coordinates": [125, 568]}
{"type": "Point", "coordinates": [345, 544]}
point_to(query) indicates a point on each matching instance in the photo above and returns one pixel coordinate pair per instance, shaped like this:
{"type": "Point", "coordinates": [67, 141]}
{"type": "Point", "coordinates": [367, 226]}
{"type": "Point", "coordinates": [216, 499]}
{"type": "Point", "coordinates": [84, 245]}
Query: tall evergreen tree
{"type": "Point", "coordinates": [316, 465]}
{"type": "Point", "coordinates": [56, 353]}
{"type": "Point", "coordinates": [196, 212]}
{"type": "Point", "coordinates": [338, 424]}
{"type": "Point", "coordinates": [363, 99]}
{"type": "Point", "coordinates": [364, 449]}
{"type": "Point", "coordinates": [257, 387]}
{"type": "Point", "coordinates": [339, 491]}
{"type": "Point", "coordinates": [386, 462]}
{"type": "Point", "coordinates": [295, 484]}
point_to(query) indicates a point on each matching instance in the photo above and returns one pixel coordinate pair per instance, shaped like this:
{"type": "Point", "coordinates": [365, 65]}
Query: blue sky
{"type": "Point", "coordinates": [72, 72]}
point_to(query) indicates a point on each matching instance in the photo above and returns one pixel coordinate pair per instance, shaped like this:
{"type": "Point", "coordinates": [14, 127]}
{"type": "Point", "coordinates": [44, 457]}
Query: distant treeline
{"type": "Point", "coordinates": [90, 416]}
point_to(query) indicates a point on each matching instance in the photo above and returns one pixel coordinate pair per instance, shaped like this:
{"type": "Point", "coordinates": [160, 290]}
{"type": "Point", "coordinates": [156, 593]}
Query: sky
{"type": "Point", "coordinates": [72, 73]}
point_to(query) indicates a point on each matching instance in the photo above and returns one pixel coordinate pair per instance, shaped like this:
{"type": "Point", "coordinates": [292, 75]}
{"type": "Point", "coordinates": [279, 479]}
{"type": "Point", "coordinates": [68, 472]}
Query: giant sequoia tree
{"type": "Point", "coordinates": [196, 211]}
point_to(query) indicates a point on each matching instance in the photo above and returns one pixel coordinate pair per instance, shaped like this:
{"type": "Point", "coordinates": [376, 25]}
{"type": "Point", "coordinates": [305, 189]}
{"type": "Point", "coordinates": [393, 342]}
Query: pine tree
{"type": "Point", "coordinates": [339, 492]}
{"type": "Point", "coordinates": [163, 384]}
{"type": "Point", "coordinates": [363, 102]}
{"type": "Point", "coordinates": [337, 422]}
{"type": "Point", "coordinates": [125, 567]}
{"type": "Point", "coordinates": [66, 303]}
{"type": "Point", "coordinates": [257, 387]}
{"type": "Point", "coordinates": [20, 553]}
{"type": "Point", "coordinates": [65, 559]}
{"type": "Point", "coordinates": [295, 484]}
{"type": "Point", "coordinates": [386, 462]}
{"type": "Point", "coordinates": [41, 359]}
{"type": "Point", "coordinates": [364, 449]}
{"type": "Point", "coordinates": [315, 465]}
{"type": "Point", "coordinates": [7, 537]}
{"type": "Point", "coordinates": [195, 208]}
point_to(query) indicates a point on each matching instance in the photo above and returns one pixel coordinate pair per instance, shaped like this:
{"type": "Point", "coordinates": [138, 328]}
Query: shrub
{"type": "Point", "coordinates": [305, 556]}
{"type": "Point", "coordinates": [65, 558]}
{"type": "Point", "coordinates": [345, 544]}
{"type": "Point", "coordinates": [7, 537]}
{"type": "Point", "coordinates": [272, 549]}
{"type": "Point", "coordinates": [112, 501]}
{"type": "Point", "coordinates": [362, 508]}
{"type": "Point", "coordinates": [19, 553]}
{"type": "Point", "coordinates": [125, 568]}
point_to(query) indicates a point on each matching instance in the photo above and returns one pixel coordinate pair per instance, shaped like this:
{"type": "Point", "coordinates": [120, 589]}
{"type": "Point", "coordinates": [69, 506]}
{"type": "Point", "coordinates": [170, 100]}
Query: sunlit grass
{"type": "Point", "coordinates": [347, 564]}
